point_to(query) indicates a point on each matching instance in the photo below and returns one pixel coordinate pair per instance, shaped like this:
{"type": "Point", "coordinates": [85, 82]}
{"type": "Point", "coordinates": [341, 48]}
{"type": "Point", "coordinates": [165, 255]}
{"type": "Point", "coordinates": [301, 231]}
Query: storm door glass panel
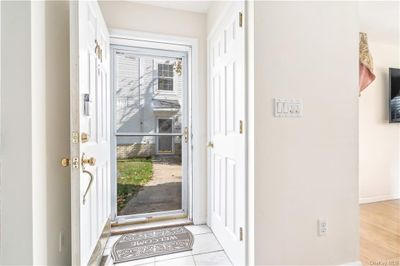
{"type": "Point", "coordinates": [165, 142]}
{"type": "Point", "coordinates": [148, 98]}
{"type": "Point", "coordinates": [146, 87]}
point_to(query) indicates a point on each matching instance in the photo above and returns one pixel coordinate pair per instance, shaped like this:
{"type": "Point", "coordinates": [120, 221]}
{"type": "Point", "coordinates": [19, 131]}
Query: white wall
{"type": "Point", "coordinates": [38, 115]}
{"type": "Point", "coordinates": [379, 143]}
{"type": "Point", "coordinates": [379, 140]}
{"type": "Point", "coordinates": [35, 189]}
{"type": "Point", "coordinates": [138, 17]}
{"type": "Point", "coordinates": [58, 204]}
{"type": "Point", "coordinates": [306, 168]}
{"type": "Point", "coordinates": [16, 233]}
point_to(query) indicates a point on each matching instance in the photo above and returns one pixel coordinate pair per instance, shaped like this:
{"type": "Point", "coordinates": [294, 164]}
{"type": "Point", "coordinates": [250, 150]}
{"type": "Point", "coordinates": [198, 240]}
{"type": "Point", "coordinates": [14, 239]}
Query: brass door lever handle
{"type": "Point", "coordinates": [90, 161]}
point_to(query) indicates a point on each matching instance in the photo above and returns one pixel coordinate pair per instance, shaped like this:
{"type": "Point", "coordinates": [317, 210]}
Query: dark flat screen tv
{"type": "Point", "coordinates": [394, 87]}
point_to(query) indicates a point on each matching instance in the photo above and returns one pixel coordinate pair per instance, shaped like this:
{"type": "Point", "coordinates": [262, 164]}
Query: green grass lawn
{"type": "Point", "coordinates": [132, 175]}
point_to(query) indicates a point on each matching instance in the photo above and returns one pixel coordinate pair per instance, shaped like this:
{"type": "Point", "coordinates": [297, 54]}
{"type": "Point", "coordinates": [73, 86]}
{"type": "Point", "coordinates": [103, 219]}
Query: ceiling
{"type": "Point", "coordinates": [199, 6]}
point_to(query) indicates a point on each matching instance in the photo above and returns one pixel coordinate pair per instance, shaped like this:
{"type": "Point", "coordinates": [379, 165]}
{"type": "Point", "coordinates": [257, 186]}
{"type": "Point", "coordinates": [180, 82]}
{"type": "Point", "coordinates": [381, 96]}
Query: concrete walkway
{"type": "Point", "coordinates": [162, 193]}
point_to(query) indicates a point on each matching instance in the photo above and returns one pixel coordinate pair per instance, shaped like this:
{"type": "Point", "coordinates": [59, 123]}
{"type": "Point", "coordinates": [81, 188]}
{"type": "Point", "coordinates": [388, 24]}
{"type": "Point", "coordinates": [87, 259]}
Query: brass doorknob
{"type": "Point", "coordinates": [210, 145]}
{"type": "Point", "coordinates": [65, 162]}
{"type": "Point", "coordinates": [90, 161]}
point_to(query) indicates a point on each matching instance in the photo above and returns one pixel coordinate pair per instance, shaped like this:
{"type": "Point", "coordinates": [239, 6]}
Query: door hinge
{"type": "Point", "coordinates": [241, 126]}
{"type": "Point", "coordinates": [241, 234]}
{"type": "Point", "coordinates": [240, 19]}
{"type": "Point", "coordinates": [186, 134]}
{"type": "Point", "coordinates": [98, 51]}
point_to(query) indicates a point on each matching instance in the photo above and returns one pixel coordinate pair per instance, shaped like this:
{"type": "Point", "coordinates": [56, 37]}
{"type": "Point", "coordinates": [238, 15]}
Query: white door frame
{"type": "Point", "coordinates": [172, 43]}
{"type": "Point", "coordinates": [184, 211]}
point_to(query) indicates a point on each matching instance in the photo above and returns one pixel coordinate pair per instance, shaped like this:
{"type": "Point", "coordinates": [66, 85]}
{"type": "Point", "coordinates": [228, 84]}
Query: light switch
{"type": "Point", "coordinates": [279, 107]}
{"type": "Point", "coordinates": [288, 107]}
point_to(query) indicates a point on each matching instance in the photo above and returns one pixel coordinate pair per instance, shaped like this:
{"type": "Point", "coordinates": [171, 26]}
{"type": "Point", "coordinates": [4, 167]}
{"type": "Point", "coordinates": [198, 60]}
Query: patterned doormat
{"type": "Point", "coordinates": [145, 244]}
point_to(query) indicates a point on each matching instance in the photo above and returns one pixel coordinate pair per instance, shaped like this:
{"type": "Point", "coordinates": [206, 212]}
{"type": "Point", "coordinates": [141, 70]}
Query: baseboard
{"type": "Point", "coordinates": [354, 263]}
{"type": "Point", "coordinates": [364, 200]}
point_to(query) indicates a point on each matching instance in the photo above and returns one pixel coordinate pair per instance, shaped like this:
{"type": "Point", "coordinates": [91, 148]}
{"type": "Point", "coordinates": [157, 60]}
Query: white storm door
{"type": "Point", "coordinates": [90, 114]}
{"type": "Point", "coordinates": [226, 103]}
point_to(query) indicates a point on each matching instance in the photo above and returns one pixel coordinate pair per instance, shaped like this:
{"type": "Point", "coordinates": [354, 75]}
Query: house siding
{"type": "Point", "coordinates": [136, 112]}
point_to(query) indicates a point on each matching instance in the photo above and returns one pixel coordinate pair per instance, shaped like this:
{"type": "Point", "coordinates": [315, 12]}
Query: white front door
{"type": "Point", "coordinates": [90, 115]}
{"type": "Point", "coordinates": [226, 136]}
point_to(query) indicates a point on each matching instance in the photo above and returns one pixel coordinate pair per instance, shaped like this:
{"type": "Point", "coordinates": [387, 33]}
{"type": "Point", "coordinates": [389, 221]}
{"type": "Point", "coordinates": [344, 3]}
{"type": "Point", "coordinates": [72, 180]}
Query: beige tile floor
{"type": "Point", "coordinates": [206, 251]}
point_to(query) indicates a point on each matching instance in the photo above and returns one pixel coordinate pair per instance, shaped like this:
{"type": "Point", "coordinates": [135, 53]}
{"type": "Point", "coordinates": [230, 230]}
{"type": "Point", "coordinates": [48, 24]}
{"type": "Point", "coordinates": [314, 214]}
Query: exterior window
{"type": "Point", "coordinates": [166, 77]}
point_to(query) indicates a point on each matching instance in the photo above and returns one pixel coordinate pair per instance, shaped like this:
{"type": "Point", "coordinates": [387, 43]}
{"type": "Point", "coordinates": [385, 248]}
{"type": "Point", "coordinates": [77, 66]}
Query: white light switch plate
{"type": "Point", "coordinates": [288, 107]}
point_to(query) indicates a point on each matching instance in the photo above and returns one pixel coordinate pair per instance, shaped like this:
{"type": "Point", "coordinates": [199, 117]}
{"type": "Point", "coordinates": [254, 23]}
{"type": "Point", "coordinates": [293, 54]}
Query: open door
{"type": "Point", "coordinates": [90, 134]}
{"type": "Point", "coordinates": [226, 155]}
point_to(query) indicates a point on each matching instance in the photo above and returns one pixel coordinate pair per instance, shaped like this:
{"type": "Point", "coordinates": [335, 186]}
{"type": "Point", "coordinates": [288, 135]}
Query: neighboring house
{"type": "Point", "coordinates": [148, 100]}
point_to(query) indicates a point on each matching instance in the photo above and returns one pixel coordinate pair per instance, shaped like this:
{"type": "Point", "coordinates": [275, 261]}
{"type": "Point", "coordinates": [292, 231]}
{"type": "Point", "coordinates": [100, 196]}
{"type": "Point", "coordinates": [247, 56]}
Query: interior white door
{"type": "Point", "coordinates": [226, 118]}
{"type": "Point", "coordinates": [90, 114]}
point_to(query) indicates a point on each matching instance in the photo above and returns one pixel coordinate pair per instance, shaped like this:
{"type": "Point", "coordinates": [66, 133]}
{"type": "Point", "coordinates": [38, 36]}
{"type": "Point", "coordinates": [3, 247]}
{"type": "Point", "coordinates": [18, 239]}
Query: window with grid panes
{"type": "Point", "coordinates": [166, 77]}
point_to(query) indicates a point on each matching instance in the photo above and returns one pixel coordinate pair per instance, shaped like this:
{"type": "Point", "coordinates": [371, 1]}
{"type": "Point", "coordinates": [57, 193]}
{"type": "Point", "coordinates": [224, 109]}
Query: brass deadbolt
{"type": "Point", "coordinates": [84, 137]}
